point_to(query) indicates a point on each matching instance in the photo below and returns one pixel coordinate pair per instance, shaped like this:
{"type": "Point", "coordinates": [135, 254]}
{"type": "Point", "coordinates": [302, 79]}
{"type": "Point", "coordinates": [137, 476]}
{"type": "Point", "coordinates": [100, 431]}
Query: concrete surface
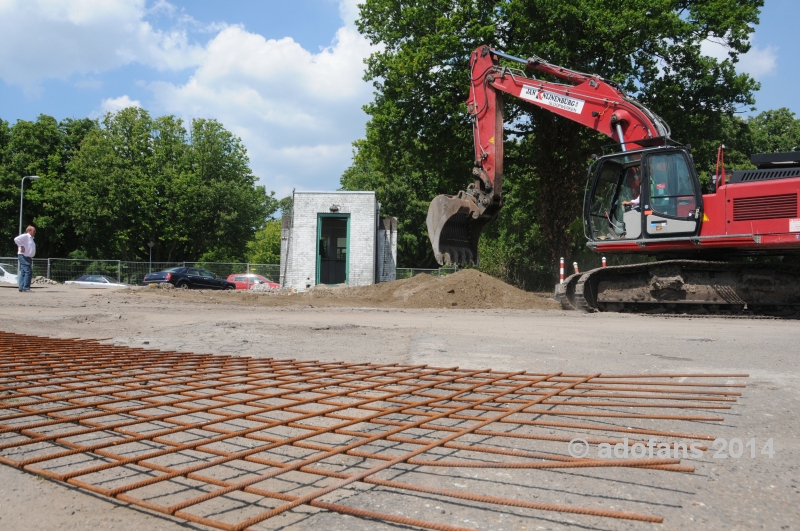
{"type": "Point", "coordinates": [745, 493]}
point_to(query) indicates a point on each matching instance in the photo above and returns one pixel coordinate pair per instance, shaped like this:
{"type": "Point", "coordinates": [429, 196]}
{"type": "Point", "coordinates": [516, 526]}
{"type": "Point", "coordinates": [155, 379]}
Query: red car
{"type": "Point", "coordinates": [247, 281]}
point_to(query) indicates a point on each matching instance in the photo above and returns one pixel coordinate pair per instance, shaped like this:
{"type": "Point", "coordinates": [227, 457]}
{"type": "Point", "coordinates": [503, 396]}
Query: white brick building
{"type": "Point", "coordinates": [337, 238]}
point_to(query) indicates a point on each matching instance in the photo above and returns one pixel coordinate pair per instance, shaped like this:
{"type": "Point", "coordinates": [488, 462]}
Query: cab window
{"type": "Point", "coordinates": [671, 189]}
{"type": "Point", "coordinates": [604, 214]}
{"type": "Point", "coordinates": [616, 192]}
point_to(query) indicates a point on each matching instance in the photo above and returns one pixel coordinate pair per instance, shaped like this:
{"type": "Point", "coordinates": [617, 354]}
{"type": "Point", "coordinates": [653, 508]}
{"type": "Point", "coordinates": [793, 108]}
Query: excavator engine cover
{"type": "Point", "coordinates": [455, 224]}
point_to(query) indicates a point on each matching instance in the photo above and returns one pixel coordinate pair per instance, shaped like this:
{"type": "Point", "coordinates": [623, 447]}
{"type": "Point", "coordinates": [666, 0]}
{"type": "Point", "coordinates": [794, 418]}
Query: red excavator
{"type": "Point", "coordinates": [715, 252]}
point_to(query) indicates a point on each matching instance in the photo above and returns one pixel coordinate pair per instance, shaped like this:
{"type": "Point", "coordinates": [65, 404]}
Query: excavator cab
{"type": "Point", "coordinates": [643, 194]}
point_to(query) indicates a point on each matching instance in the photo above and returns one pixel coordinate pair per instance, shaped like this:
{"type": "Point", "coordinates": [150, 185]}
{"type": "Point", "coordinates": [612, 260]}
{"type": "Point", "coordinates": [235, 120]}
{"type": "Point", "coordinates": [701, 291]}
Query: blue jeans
{"type": "Point", "coordinates": [25, 272]}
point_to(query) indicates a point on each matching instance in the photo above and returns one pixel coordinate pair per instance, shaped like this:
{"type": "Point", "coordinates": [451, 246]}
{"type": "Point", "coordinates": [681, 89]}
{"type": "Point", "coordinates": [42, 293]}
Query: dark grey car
{"type": "Point", "coordinates": [188, 278]}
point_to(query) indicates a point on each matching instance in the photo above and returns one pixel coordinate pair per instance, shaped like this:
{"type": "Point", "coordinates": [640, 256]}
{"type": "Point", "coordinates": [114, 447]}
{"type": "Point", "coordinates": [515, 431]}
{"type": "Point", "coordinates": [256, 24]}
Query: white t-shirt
{"type": "Point", "coordinates": [25, 241]}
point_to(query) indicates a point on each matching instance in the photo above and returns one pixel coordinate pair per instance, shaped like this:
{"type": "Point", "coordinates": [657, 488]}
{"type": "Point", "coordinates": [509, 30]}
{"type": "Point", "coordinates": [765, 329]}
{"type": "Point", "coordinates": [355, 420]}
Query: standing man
{"type": "Point", "coordinates": [26, 250]}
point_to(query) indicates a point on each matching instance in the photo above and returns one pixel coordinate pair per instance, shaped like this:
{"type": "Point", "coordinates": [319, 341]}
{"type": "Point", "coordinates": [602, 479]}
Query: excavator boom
{"type": "Point", "coordinates": [456, 222]}
{"type": "Point", "coordinates": [646, 199]}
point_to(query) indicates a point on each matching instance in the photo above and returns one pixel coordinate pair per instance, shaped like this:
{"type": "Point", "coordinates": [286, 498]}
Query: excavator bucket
{"type": "Point", "coordinates": [454, 226]}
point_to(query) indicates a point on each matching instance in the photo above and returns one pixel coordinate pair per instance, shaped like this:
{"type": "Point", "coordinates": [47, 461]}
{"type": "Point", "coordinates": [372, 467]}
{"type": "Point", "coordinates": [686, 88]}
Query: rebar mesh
{"type": "Point", "coordinates": [230, 442]}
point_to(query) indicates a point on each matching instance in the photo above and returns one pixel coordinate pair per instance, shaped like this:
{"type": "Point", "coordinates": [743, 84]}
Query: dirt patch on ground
{"type": "Point", "coordinates": [467, 289]}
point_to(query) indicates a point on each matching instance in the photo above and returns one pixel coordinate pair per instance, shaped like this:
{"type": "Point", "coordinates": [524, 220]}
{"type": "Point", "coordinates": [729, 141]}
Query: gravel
{"type": "Point", "coordinates": [43, 281]}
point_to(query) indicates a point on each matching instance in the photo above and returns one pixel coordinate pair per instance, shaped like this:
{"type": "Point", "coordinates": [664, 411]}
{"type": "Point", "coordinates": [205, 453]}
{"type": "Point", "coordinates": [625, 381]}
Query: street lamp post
{"type": "Point", "coordinates": [150, 267]}
{"type": "Point", "coordinates": [21, 192]}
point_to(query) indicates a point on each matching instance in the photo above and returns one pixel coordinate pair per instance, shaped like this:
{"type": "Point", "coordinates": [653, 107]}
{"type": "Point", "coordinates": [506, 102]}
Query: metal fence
{"type": "Point", "coordinates": [63, 269]}
{"type": "Point", "coordinates": [10, 264]}
{"type": "Point", "coordinates": [408, 272]}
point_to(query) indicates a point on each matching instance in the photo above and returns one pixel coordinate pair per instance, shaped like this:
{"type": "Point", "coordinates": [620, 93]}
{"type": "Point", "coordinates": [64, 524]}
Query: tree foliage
{"type": "Point", "coordinates": [265, 247]}
{"type": "Point", "coordinates": [767, 132]}
{"type": "Point", "coordinates": [418, 141]}
{"type": "Point", "coordinates": [773, 131]}
{"type": "Point", "coordinates": [43, 148]}
{"type": "Point", "coordinates": [109, 187]}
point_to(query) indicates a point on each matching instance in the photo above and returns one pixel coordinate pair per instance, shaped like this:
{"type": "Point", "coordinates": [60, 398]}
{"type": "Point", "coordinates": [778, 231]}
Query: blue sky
{"type": "Point", "coordinates": [777, 33]}
{"type": "Point", "coordinates": [284, 76]}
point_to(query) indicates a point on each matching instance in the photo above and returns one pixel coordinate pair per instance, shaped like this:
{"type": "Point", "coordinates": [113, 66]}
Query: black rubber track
{"type": "Point", "coordinates": [579, 291]}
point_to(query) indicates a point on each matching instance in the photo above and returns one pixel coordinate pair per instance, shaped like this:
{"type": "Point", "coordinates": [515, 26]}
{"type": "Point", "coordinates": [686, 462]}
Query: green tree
{"type": "Point", "coordinates": [265, 247]}
{"type": "Point", "coordinates": [774, 131]}
{"type": "Point", "coordinates": [54, 227]}
{"type": "Point", "coordinates": [137, 180]}
{"type": "Point", "coordinates": [9, 184]}
{"type": "Point", "coordinates": [767, 132]}
{"type": "Point", "coordinates": [418, 141]}
{"type": "Point", "coordinates": [285, 205]}
{"type": "Point", "coordinates": [231, 207]}
{"type": "Point", "coordinates": [43, 148]}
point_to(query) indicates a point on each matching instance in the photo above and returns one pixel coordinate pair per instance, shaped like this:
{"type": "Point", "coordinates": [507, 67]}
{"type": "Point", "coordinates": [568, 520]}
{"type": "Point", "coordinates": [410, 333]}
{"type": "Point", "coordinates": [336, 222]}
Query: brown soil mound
{"type": "Point", "coordinates": [468, 288]}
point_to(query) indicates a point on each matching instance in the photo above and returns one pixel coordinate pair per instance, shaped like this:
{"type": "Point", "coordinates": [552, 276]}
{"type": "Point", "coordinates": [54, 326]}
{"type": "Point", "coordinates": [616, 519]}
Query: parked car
{"type": "Point", "coordinates": [95, 281]}
{"type": "Point", "coordinates": [188, 278]}
{"type": "Point", "coordinates": [248, 280]}
{"type": "Point", "coordinates": [8, 273]}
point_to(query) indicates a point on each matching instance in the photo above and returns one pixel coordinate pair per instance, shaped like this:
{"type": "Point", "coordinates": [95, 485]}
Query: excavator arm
{"type": "Point", "coordinates": [456, 222]}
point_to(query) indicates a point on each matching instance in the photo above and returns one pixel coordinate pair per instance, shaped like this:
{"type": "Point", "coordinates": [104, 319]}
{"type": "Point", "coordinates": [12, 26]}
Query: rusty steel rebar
{"type": "Point", "coordinates": [137, 425]}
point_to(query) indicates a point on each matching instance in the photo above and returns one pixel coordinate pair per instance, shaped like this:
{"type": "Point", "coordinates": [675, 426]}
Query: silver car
{"type": "Point", "coordinates": [8, 273]}
{"type": "Point", "coordinates": [95, 281]}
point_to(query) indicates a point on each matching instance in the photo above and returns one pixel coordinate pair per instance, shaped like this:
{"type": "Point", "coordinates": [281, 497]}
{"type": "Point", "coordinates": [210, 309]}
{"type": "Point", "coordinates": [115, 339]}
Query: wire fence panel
{"type": "Point", "coordinates": [224, 269]}
{"type": "Point", "coordinates": [221, 269]}
{"type": "Point", "coordinates": [10, 264]}
{"type": "Point", "coordinates": [270, 271]}
{"type": "Point", "coordinates": [64, 269]}
{"type": "Point", "coordinates": [39, 265]}
{"type": "Point", "coordinates": [69, 269]}
{"type": "Point", "coordinates": [134, 272]}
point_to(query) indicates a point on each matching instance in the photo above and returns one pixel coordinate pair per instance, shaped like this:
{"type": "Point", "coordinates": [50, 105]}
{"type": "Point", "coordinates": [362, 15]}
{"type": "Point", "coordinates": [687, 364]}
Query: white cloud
{"type": "Point", "coordinates": [296, 111]}
{"type": "Point", "coordinates": [117, 104]}
{"type": "Point", "coordinates": [758, 62]}
{"type": "Point", "coordinates": [348, 11]}
{"type": "Point", "coordinates": [42, 39]}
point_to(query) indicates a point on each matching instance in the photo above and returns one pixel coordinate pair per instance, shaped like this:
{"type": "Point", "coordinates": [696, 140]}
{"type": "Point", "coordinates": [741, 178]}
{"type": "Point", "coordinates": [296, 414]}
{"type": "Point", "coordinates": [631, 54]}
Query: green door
{"type": "Point", "coordinates": [333, 248]}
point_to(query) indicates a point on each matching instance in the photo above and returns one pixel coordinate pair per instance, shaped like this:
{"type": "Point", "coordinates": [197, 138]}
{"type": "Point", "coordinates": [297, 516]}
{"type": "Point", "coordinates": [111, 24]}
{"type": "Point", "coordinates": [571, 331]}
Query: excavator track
{"type": "Point", "coordinates": [685, 286]}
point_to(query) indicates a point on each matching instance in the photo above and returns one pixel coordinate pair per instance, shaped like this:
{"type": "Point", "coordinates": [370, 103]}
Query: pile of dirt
{"type": "Point", "coordinates": [469, 289]}
{"type": "Point", "coordinates": [43, 281]}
